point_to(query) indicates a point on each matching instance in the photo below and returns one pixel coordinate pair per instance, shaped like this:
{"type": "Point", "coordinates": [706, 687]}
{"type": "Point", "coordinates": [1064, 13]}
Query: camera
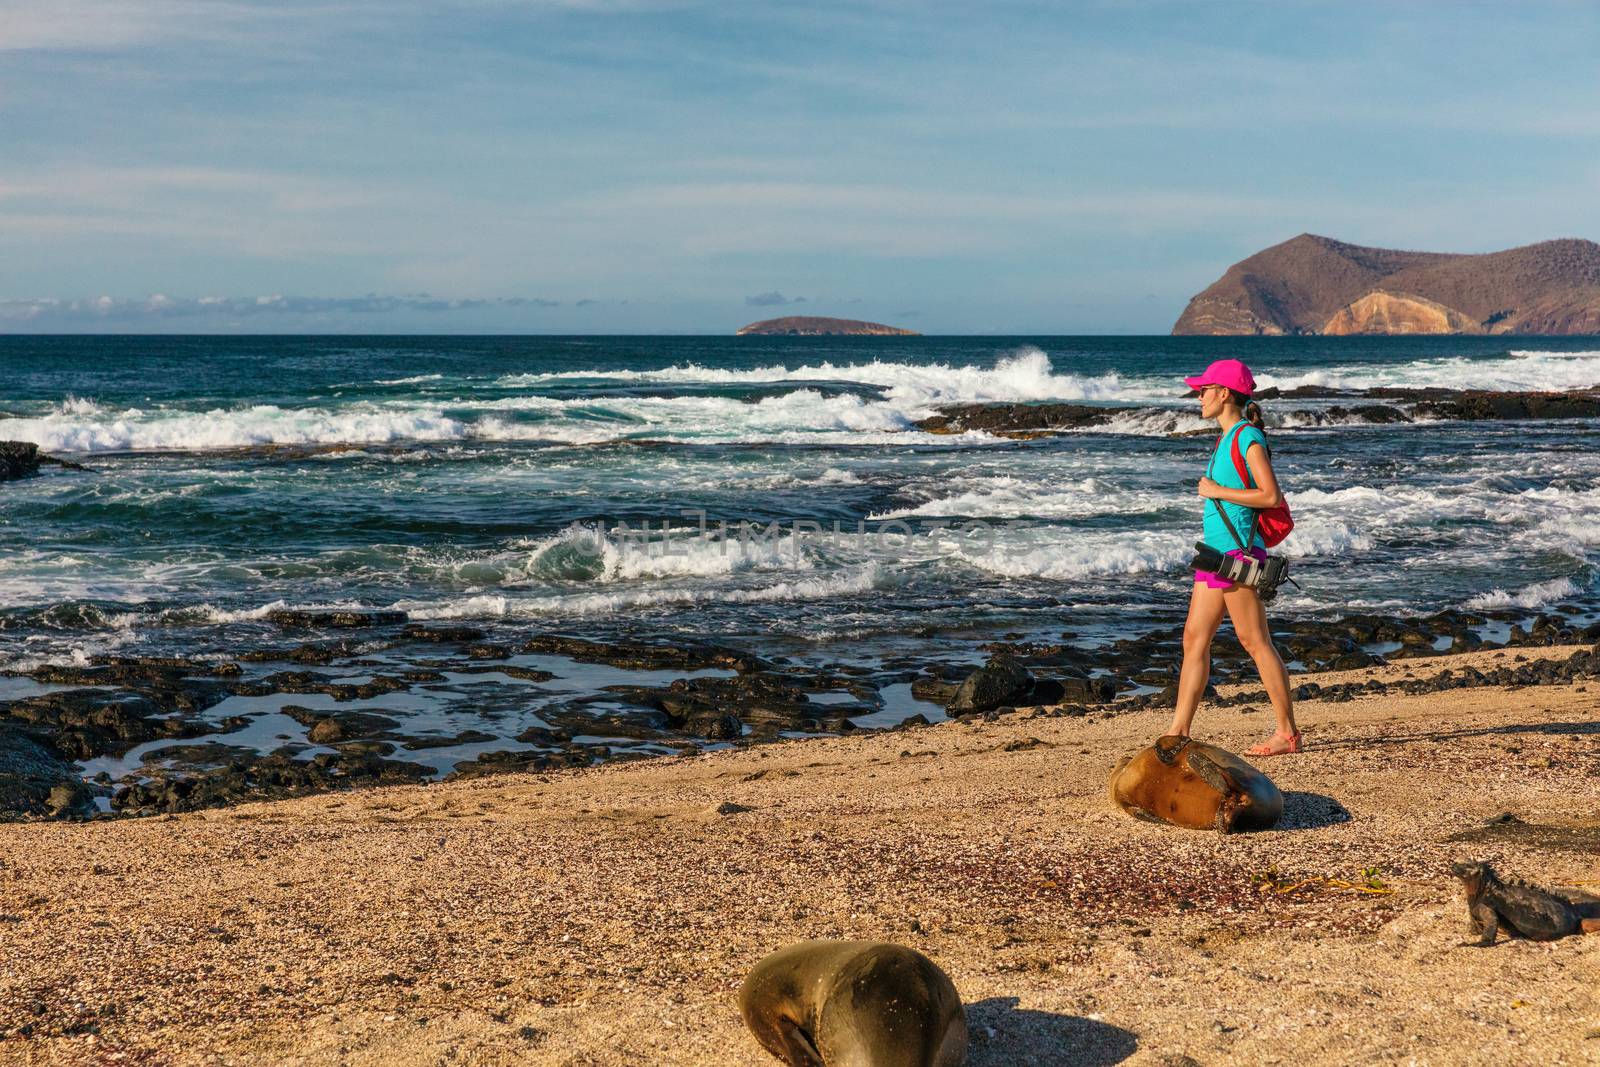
{"type": "Point", "coordinates": [1262, 576]}
{"type": "Point", "coordinates": [1242, 570]}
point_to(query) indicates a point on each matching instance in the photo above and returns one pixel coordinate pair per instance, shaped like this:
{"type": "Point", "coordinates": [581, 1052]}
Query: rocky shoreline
{"type": "Point", "coordinates": [195, 756]}
{"type": "Point", "coordinates": [1379, 406]}
{"type": "Point", "coordinates": [606, 915]}
{"type": "Point", "coordinates": [22, 459]}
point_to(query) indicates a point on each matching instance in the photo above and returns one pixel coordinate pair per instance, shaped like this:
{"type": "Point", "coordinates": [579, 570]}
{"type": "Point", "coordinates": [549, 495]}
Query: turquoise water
{"type": "Point", "coordinates": [531, 485]}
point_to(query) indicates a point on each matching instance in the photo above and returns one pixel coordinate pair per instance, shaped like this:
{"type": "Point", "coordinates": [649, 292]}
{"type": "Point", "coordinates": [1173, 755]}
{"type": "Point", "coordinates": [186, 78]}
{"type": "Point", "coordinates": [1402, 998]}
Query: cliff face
{"type": "Point", "coordinates": [1316, 285]}
{"type": "Point", "coordinates": [1382, 312]}
{"type": "Point", "coordinates": [817, 326]}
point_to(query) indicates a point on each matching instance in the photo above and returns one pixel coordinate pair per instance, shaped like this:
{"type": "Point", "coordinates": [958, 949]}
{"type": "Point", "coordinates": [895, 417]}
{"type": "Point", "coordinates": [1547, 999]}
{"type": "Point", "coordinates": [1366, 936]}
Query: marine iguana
{"type": "Point", "coordinates": [1525, 910]}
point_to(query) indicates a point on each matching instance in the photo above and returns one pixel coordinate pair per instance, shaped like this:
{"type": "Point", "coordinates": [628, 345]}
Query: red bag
{"type": "Point", "coordinates": [1274, 523]}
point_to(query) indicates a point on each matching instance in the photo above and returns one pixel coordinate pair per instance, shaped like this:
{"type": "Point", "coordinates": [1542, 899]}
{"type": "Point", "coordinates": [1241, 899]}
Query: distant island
{"type": "Point", "coordinates": [818, 326]}
{"type": "Point", "coordinates": [1316, 285]}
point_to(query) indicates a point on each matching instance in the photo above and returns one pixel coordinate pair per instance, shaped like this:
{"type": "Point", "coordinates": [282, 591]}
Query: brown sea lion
{"type": "Point", "coordinates": [854, 1004]}
{"type": "Point", "coordinates": [1184, 782]}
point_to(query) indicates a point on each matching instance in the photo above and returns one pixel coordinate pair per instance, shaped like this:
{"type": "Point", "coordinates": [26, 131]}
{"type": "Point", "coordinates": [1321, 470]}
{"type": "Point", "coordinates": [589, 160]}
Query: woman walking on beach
{"type": "Point", "coordinates": [1225, 390]}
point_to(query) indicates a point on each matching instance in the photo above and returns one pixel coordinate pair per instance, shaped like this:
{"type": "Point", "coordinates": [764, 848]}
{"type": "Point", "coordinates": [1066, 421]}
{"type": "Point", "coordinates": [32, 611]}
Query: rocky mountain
{"type": "Point", "coordinates": [817, 326]}
{"type": "Point", "coordinates": [1316, 285]}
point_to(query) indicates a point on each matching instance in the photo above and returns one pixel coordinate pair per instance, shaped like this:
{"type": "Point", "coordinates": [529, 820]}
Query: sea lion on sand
{"type": "Point", "coordinates": [854, 1004]}
{"type": "Point", "coordinates": [1181, 781]}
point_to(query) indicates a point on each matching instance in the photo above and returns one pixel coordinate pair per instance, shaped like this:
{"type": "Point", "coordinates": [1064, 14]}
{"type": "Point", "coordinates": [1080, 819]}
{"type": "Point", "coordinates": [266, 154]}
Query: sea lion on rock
{"type": "Point", "coordinates": [854, 1004]}
{"type": "Point", "coordinates": [1184, 782]}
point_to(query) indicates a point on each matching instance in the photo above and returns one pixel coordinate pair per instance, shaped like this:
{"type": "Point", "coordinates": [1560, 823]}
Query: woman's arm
{"type": "Point", "coordinates": [1266, 493]}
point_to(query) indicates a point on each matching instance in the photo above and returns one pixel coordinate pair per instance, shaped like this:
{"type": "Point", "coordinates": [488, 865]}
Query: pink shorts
{"type": "Point", "coordinates": [1213, 582]}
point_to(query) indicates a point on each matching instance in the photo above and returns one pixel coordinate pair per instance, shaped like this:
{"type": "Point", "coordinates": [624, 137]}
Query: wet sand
{"type": "Point", "coordinates": [606, 916]}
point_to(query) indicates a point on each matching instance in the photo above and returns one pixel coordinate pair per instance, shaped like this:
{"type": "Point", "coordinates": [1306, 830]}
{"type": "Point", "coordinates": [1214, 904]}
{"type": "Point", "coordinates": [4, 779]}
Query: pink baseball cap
{"type": "Point", "coordinates": [1229, 372]}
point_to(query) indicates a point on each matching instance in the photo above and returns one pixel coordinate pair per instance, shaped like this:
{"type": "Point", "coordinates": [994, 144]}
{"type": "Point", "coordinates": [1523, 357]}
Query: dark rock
{"type": "Point", "coordinates": [267, 778]}
{"type": "Point", "coordinates": [18, 459]}
{"type": "Point", "coordinates": [719, 728]}
{"type": "Point", "coordinates": [1487, 405]}
{"type": "Point", "coordinates": [70, 798]}
{"type": "Point", "coordinates": [1046, 691]}
{"type": "Point", "coordinates": [325, 732]}
{"type": "Point", "coordinates": [1356, 660]}
{"type": "Point", "coordinates": [307, 682]}
{"type": "Point", "coordinates": [465, 737]}
{"type": "Point", "coordinates": [935, 691]}
{"type": "Point", "coordinates": [1017, 419]}
{"type": "Point", "coordinates": [29, 772]}
{"type": "Point", "coordinates": [1168, 697]}
{"type": "Point", "coordinates": [330, 728]}
{"type": "Point", "coordinates": [501, 763]}
{"type": "Point", "coordinates": [442, 634]}
{"type": "Point", "coordinates": [81, 724]}
{"type": "Point", "coordinates": [334, 620]}
{"type": "Point", "coordinates": [639, 656]}
{"type": "Point", "coordinates": [197, 756]}
{"type": "Point", "coordinates": [1000, 681]}
{"type": "Point", "coordinates": [728, 807]}
{"type": "Point", "coordinates": [718, 708]}
{"type": "Point", "coordinates": [541, 735]}
{"type": "Point", "coordinates": [1082, 690]}
{"type": "Point", "coordinates": [319, 653]}
{"type": "Point", "coordinates": [366, 748]}
{"type": "Point", "coordinates": [526, 674]}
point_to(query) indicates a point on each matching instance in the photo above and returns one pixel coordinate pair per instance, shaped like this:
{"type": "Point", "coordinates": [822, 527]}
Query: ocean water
{"type": "Point", "coordinates": [595, 486]}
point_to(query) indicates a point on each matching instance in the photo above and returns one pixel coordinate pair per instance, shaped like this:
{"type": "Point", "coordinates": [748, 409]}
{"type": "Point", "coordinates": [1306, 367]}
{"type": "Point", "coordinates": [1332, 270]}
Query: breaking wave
{"type": "Point", "coordinates": [1536, 595]}
{"type": "Point", "coordinates": [1516, 371]}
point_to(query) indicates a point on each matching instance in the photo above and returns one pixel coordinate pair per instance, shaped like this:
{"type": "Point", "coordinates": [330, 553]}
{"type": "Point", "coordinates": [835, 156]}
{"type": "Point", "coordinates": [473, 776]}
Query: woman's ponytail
{"type": "Point", "coordinates": [1249, 409]}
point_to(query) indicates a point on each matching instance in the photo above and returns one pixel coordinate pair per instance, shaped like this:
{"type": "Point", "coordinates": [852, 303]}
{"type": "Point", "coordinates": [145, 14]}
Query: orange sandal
{"type": "Point", "coordinates": [1266, 748]}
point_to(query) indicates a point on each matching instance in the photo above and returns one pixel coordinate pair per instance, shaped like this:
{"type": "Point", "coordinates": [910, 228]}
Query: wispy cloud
{"type": "Point", "coordinates": [113, 25]}
{"type": "Point", "coordinates": [772, 299]}
{"type": "Point", "coordinates": [978, 162]}
{"type": "Point", "coordinates": [53, 311]}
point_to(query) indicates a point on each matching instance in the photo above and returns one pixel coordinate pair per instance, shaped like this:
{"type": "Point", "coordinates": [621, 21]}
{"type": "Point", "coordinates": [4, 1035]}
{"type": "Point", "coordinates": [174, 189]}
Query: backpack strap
{"type": "Point", "coordinates": [1244, 477]}
{"type": "Point", "coordinates": [1232, 532]}
{"type": "Point", "coordinates": [1238, 458]}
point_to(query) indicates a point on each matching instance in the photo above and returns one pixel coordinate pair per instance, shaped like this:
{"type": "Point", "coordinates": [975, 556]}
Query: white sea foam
{"type": "Point", "coordinates": [1317, 535]}
{"type": "Point", "coordinates": [862, 579]}
{"type": "Point", "coordinates": [1536, 595]}
{"type": "Point", "coordinates": [802, 416]}
{"type": "Point", "coordinates": [1025, 374]}
{"type": "Point", "coordinates": [171, 430]}
{"type": "Point", "coordinates": [1520, 371]}
{"type": "Point", "coordinates": [587, 553]}
{"type": "Point", "coordinates": [1011, 496]}
{"type": "Point", "coordinates": [805, 414]}
{"type": "Point", "coordinates": [1154, 422]}
{"type": "Point", "coordinates": [1068, 556]}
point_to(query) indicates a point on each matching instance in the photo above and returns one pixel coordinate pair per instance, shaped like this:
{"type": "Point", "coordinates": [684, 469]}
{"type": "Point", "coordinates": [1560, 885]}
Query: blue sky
{"type": "Point", "coordinates": [597, 166]}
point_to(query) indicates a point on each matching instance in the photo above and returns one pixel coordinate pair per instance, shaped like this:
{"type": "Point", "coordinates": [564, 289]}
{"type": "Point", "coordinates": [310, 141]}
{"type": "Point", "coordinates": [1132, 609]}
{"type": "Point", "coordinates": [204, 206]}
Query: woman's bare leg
{"type": "Point", "coordinates": [1249, 617]}
{"type": "Point", "coordinates": [1205, 615]}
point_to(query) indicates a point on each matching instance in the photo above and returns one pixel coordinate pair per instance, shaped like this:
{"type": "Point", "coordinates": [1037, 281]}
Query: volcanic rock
{"type": "Point", "coordinates": [1316, 285]}
{"type": "Point", "coordinates": [999, 682]}
{"type": "Point", "coordinates": [820, 326]}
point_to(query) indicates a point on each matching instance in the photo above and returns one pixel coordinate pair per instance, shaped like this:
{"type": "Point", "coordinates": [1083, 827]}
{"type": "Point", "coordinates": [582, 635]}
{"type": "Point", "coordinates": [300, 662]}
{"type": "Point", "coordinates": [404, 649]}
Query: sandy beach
{"type": "Point", "coordinates": [606, 916]}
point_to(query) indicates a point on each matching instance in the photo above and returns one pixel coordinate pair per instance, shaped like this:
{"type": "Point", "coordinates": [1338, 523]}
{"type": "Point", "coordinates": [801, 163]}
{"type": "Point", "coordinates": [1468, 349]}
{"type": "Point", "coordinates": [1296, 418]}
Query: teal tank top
{"type": "Point", "coordinates": [1222, 471]}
